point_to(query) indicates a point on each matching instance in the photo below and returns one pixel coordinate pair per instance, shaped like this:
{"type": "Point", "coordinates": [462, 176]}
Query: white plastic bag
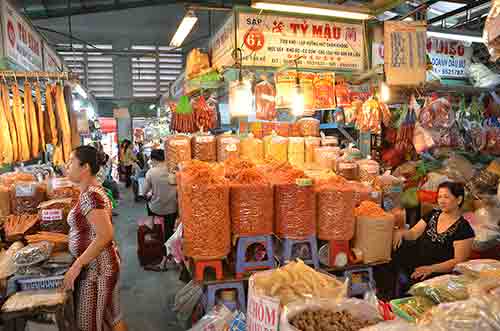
{"type": "Point", "coordinates": [174, 245]}
{"type": "Point", "coordinates": [218, 319]}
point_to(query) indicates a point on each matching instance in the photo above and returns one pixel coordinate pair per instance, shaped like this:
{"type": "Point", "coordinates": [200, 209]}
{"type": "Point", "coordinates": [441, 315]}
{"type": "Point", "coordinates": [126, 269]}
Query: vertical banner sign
{"type": "Point", "coordinates": [263, 313]}
{"type": "Point", "coordinates": [405, 52]}
{"type": "Point", "coordinates": [222, 45]}
{"type": "Point", "coordinates": [274, 41]}
{"type": "Point", "coordinates": [449, 58]}
{"type": "Point", "coordinates": [21, 43]}
{"type": "Point", "coordinates": [51, 61]}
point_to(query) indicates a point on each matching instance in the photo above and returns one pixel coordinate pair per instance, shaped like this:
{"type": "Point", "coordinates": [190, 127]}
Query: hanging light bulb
{"type": "Point", "coordinates": [385, 92]}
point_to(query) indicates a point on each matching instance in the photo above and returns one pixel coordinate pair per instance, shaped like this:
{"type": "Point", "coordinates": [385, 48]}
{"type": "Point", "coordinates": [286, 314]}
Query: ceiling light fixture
{"type": "Point", "coordinates": [455, 36]}
{"type": "Point", "coordinates": [305, 8]}
{"type": "Point", "coordinates": [184, 29]}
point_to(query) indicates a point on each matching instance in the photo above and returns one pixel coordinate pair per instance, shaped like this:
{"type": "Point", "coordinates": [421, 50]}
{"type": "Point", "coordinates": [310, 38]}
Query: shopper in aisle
{"type": "Point", "coordinates": [127, 160]}
{"type": "Point", "coordinates": [437, 242]}
{"type": "Point", "coordinates": [95, 273]}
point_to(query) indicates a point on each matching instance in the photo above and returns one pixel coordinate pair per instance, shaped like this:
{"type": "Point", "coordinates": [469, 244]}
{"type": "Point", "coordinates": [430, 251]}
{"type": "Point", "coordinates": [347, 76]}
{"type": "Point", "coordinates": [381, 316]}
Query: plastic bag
{"type": "Point", "coordinates": [361, 314]}
{"type": "Point", "coordinates": [33, 254]}
{"type": "Point", "coordinates": [186, 300]}
{"type": "Point", "coordinates": [217, 319]}
{"type": "Point", "coordinates": [476, 268]}
{"type": "Point", "coordinates": [398, 325]}
{"type": "Point", "coordinates": [491, 32]}
{"type": "Point", "coordinates": [458, 168]}
{"type": "Point", "coordinates": [295, 210]}
{"type": "Point", "coordinates": [252, 149]}
{"type": "Point", "coordinates": [265, 104]}
{"type": "Point", "coordinates": [174, 245]}
{"type": "Point", "coordinates": [296, 151]}
{"type": "Point", "coordinates": [486, 229]}
{"type": "Point", "coordinates": [422, 139]}
{"type": "Point", "coordinates": [446, 288]}
{"type": "Point", "coordinates": [469, 315]}
{"type": "Point", "coordinates": [7, 265]}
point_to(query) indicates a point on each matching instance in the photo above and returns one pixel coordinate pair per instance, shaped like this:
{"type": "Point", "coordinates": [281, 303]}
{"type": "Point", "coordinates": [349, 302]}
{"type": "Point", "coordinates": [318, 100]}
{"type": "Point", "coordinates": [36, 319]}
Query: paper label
{"type": "Point", "coordinates": [58, 183]}
{"type": "Point", "coordinates": [52, 215]}
{"type": "Point", "coordinates": [231, 148]}
{"type": "Point", "coordinates": [178, 142]}
{"type": "Point", "coordinates": [25, 190]}
{"type": "Point", "coordinates": [343, 166]}
{"type": "Point", "coordinates": [205, 139]}
{"type": "Point", "coordinates": [229, 140]}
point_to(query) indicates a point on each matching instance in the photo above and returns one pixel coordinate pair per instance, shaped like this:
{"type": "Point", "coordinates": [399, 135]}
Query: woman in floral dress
{"type": "Point", "coordinates": [95, 273]}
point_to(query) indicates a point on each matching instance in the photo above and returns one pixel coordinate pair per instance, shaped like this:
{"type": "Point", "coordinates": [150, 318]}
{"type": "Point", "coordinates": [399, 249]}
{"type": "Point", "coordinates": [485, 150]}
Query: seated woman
{"type": "Point", "coordinates": [441, 239]}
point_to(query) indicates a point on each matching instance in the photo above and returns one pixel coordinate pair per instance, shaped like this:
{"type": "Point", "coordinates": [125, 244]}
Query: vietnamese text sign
{"type": "Point", "coordinates": [51, 61]}
{"type": "Point", "coordinates": [449, 58]}
{"type": "Point", "coordinates": [22, 44]}
{"type": "Point", "coordinates": [274, 41]}
{"type": "Point", "coordinates": [222, 44]}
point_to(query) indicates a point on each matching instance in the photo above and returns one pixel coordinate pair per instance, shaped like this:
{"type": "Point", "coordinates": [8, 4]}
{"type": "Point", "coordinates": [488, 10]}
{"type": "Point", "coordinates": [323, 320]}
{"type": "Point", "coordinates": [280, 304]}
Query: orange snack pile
{"type": "Point", "coordinates": [252, 207]}
{"type": "Point", "coordinates": [371, 209]}
{"type": "Point", "coordinates": [233, 165]}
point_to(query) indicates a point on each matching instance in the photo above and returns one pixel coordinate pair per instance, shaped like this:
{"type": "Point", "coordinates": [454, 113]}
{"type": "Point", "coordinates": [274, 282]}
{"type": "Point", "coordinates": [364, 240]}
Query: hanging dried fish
{"type": "Point", "coordinates": [40, 116]}
{"type": "Point", "coordinates": [63, 119]}
{"type": "Point", "coordinates": [4, 91]}
{"type": "Point", "coordinates": [22, 133]}
{"type": "Point", "coordinates": [6, 148]}
{"type": "Point", "coordinates": [50, 117]}
{"type": "Point", "coordinates": [31, 121]}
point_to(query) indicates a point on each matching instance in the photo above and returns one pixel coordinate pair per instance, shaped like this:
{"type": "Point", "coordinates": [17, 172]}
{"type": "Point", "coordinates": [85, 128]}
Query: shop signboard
{"type": "Point", "coordinates": [222, 44]}
{"type": "Point", "coordinates": [21, 43]}
{"type": "Point", "coordinates": [269, 40]}
{"type": "Point", "coordinates": [449, 58]}
{"type": "Point", "coordinates": [51, 62]}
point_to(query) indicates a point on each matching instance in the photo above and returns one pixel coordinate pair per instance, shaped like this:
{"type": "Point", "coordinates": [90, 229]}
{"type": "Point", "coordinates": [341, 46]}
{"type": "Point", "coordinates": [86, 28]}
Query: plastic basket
{"type": "Point", "coordinates": [397, 309]}
{"type": "Point", "coordinates": [45, 283]}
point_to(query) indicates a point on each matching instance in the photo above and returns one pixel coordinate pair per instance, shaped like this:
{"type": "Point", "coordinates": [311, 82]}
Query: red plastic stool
{"type": "Point", "coordinates": [200, 266]}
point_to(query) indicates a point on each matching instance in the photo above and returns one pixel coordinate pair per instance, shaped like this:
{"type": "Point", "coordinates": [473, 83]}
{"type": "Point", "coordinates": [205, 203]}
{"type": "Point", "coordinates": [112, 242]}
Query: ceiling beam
{"type": "Point", "coordinates": [116, 5]}
{"type": "Point", "coordinates": [457, 11]}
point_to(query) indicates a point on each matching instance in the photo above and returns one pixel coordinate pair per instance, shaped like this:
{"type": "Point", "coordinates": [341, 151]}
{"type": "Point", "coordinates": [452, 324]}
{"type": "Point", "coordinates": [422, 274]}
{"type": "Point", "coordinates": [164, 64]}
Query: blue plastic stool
{"type": "Point", "coordinates": [360, 281]}
{"type": "Point", "coordinates": [288, 245]}
{"type": "Point", "coordinates": [242, 265]}
{"type": "Point", "coordinates": [212, 292]}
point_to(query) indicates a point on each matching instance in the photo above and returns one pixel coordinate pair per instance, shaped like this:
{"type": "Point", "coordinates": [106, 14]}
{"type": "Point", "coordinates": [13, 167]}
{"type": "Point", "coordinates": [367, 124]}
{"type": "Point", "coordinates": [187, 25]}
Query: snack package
{"type": "Point", "coordinates": [349, 314]}
{"type": "Point", "coordinates": [227, 146]}
{"type": "Point", "coordinates": [296, 151]}
{"type": "Point", "coordinates": [252, 149]}
{"type": "Point", "coordinates": [285, 85]}
{"type": "Point", "coordinates": [178, 149]}
{"type": "Point", "coordinates": [62, 188]}
{"type": "Point", "coordinates": [196, 63]}
{"type": "Point", "coordinates": [276, 148]}
{"type": "Point", "coordinates": [265, 104]}
{"type": "Point", "coordinates": [217, 319]}
{"type": "Point", "coordinates": [478, 268]}
{"type": "Point", "coordinates": [7, 265]}
{"type": "Point", "coordinates": [26, 196]}
{"type": "Point", "coordinates": [368, 170]}
{"type": "Point", "coordinates": [324, 91]}
{"type": "Point", "coordinates": [326, 157]}
{"type": "Point", "coordinates": [309, 127]}
{"type": "Point", "coordinates": [446, 288]}
{"type": "Point", "coordinates": [53, 215]}
{"type": "Point", "coordinates": [347, 168]}
{"type": "Point", "coordinates": [311, 143]}
{"type": "Point", "coordinates": [204, 147]}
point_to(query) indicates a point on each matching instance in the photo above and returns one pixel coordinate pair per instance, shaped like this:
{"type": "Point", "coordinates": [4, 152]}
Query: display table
{"type": "Point", "coordinates": [62, 307]}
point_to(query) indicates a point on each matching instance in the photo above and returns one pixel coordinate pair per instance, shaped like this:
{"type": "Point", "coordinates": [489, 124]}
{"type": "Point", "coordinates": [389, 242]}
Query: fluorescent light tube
{"type": "Point", "coordinates": [184, 29]}
{"type": "Point", "coordinates": [453, 36]}
{"type": "Point", "coordinates": [310, 10]}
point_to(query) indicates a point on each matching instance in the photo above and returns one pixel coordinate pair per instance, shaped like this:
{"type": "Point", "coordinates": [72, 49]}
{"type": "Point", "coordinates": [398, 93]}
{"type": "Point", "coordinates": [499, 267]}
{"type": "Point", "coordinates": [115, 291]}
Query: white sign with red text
{"type": "Point", "coordinates": [222, 45]}
{"type": "Point", "coordinates": [449, 58]}
{"type": "Point", "coordinates": [52, 63]}
{"type": "Point", "coordinates": [21, 42]}
{"type": "Point", "coordinates": [274, 41]}
{"type": "Point", "coordinates": [263, 313]}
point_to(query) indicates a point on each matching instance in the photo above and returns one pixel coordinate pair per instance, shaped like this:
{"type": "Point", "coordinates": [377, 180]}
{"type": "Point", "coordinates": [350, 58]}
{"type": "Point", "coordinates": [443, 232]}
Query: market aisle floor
{"type": "Point", "coordinates": [147, 297]}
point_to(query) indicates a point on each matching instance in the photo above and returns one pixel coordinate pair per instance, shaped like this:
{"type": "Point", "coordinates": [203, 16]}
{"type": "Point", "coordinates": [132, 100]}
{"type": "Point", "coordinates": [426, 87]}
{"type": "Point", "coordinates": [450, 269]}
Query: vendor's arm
{"type": "Point", "coordinates": [100, 219]}
{"type": "Point", "coordinates": [463, 249]}
{"type": "Point", "coordinates": [412, 234]}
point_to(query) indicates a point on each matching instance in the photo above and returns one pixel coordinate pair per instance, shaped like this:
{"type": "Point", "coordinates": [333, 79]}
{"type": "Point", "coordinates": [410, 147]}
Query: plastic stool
{"type": "Point", "coordinates": [242, 265]}
{"type": "Point", "coordinates": [200, 266]}
{"type": "Point", "coordinates": [288, 245]}
{"type": "Point", "coordinates": [212, 292]}
{"type": "Point", "coordinates": [360, 281]}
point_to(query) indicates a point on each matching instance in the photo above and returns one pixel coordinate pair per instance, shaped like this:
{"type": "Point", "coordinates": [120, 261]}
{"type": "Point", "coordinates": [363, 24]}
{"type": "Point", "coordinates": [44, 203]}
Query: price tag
{"type": "Point", "coordinates": [343, 166]}
{"type": "Point", "coordinates": [178, 143]}
{"type": "Point", "coordinates": [231, 148]}
{"type": "Point", "coordinates": [25, 190]}
{"type": "Point", "coordinates": [205, 139]}
{"type": "Point", "coordinates": [229, 140]}
{"type": "Point", "coordinates": [58, 183]}
{"type": "Point", "coordinates": [52, 215]}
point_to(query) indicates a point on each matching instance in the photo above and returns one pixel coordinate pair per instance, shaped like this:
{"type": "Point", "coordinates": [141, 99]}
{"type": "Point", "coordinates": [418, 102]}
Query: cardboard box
{"type": "Point", "coordinates": [374, 238]}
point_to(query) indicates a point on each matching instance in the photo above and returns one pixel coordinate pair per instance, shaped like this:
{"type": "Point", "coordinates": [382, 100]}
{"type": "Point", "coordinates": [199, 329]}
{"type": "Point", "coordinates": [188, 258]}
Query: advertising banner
{"type": "Point", "coordinates": [22, 44]}
{"type": "Point", "coordinates": [449, 58]}
{"type": "Point", "coordinates": [273, 41]}
{"type": "Point", "coordinates": [222, 44]}
{"type": "Point", "coordinates": [51, 62]}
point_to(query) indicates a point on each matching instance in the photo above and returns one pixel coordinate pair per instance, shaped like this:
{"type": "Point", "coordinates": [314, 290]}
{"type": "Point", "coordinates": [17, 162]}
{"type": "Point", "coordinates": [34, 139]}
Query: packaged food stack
{"type": "Point", "coordinates": [295, 205]}
{"type": "Point", "coordinates": [227, 145]}
{"type": "Point", "coordinates": [368, 170]}
{"type": "Point", "coordinates": [347, 168]}
{"type": "Point", "coordinates": [276, 148]}
{"type": "Point", "coordinates": [252, 149]}
{"type": "Point", "coordinates": [53, 215]}
{"type": "Point", "coordinates": [336, 206]}
{"type": "Point", "coordinates": [326, 157]}
{"type": "Point", "coordinates": [296, 151]}
{"type": "Point", "coordinates": [374, 230]}
{"type": "Point", "coordinates": [311, 144]}
{"type": "Point", "coordinates": [252, 206]}
{"type": "Point", "coordinates": [178, 149]}
{"type": "Point", "coordinates": [309, 127]}
{"type": "Point", "coordinates": [62, 188]}
{"type": "Point", "coordinates": [204, 147]}
{"type": "Point", "coordinates": [204, 201]}
{"type": "Point", "coordinates": [26, 196]}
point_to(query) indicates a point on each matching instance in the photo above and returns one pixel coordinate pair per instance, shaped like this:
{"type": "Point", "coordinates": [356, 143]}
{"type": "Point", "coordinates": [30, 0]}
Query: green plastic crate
{"type": "Point", "coordinates": [396, 308]}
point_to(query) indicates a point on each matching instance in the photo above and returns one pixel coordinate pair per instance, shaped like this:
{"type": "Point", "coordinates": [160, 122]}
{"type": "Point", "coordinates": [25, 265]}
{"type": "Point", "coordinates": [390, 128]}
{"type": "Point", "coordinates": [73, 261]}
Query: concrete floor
{"type": "Point", "coordinates": [147, 297]}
